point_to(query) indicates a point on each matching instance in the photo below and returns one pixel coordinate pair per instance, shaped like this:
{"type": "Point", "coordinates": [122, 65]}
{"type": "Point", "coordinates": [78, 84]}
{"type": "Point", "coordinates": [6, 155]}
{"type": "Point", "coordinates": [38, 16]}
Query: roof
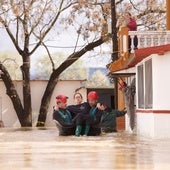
{"type": "Point", "coordinates": [143, 53]}
{"type": "Point", "coordinates": [133, 59]}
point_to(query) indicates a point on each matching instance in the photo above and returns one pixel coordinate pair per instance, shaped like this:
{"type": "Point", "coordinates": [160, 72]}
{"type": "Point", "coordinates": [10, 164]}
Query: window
{"type": "Point", "coordinates": [145, 88]}
{"type": "Point", "coordinates": [140, 86]}
{"type": "Point", "coordinates": [148, 84]}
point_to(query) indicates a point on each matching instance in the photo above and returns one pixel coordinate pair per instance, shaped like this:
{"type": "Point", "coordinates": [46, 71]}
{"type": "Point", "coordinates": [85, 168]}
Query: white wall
{"type": "Point", "coordinates": [156, 125]}
{"type": "Point", "coordinates": [153, 125]}
{"type": "Point", "coordinates": [162, 125]}
{"type": "Point", "coordinates": [161, 81]}
{"type": "Point", "coordinates": [37, 87]}
{"type": "Point", "coordinates": [145, 124]}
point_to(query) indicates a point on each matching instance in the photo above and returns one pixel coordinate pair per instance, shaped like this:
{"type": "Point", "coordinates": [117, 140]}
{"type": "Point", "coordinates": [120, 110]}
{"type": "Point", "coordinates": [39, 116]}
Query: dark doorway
{"type": "Point", "coordinates": [106, 96]}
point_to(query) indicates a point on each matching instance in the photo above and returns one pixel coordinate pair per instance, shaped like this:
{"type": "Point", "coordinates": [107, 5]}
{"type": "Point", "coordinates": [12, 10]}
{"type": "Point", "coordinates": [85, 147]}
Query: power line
{"type": "Point", "coordinates": [51, 46]}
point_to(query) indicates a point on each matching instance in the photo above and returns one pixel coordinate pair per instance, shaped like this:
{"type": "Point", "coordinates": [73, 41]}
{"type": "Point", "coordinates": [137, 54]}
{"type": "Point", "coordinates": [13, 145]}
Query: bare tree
{"type": "Point", "coordinates": [27, 21]}
{"type": "Point", "coordinates": [150, 14]}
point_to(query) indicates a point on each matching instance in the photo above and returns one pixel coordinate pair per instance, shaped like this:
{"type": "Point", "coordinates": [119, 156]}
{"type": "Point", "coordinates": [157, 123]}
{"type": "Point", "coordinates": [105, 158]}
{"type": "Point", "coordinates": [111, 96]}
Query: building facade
{"type": "Point", "coordinates": [149, 65]}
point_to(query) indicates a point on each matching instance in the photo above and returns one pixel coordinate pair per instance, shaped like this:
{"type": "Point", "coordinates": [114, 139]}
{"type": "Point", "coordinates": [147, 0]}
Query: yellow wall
{"type": "Point", "coordinates": [121, 105]}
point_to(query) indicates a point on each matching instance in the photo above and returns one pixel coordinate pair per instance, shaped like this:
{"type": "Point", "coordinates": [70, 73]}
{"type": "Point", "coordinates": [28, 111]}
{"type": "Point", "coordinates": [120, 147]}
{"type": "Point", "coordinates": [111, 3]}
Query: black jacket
{"type": "Point", "coordinates": [83, 108]}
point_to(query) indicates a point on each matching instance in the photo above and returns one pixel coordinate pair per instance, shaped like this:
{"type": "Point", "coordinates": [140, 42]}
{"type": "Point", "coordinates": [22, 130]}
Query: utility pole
{"type": "Point", "coordinates": [168, 14]}
{"type": "Point", "coordinates": [114, 47]}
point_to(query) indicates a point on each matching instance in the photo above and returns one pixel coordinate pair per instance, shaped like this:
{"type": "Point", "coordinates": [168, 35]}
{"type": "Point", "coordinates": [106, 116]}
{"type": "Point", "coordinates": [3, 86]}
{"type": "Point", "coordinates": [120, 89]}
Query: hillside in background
{"type": "Point", "coordinates": [41, 69]}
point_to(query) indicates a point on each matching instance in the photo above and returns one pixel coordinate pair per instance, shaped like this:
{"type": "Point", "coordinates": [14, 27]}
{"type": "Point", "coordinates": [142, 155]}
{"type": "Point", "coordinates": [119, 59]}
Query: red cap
{"type": "Point", "coordinates": [61, 98]}
{"type": "Point", "coordinates": [93, 95]}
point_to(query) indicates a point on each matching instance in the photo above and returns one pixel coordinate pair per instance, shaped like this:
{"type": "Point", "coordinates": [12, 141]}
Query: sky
{"type": "Point", "coordinates": [65, 39]}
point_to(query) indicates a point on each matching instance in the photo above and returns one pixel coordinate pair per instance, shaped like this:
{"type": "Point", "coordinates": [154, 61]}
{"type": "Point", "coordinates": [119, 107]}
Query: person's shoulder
{"type": "Point", "coordinates": [99, 111]}
{"type": "Point", "coordinates": [85, 103]}
{"type": "Point", "coordinates": [56, 112]}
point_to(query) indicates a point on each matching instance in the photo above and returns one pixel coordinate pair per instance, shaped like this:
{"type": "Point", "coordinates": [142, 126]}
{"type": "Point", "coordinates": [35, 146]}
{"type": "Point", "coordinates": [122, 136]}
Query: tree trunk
{"type": "Point", "coordinates": [114, 48]}
{"type": "Point", "coordinates": [54, 78]}
{"type": "Point", "coordinates": [46, 100]}
{"type": "Point", "coordinates": [26, 90]}
{"type": "Point", "coordinates": [114, 31]}
{"type": "Point", "coordinates": [12, 93]}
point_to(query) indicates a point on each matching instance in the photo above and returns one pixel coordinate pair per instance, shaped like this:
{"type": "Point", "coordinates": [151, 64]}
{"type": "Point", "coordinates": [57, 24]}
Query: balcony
{"type": "Point", "coordinates": [150, 38]}
{"type": "Point", "coordinates": [146, 40]}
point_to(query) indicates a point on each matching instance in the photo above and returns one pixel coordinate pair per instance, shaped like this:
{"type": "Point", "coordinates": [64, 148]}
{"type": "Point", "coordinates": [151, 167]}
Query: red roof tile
{"type": "Point", "coordinates": [143, 53]}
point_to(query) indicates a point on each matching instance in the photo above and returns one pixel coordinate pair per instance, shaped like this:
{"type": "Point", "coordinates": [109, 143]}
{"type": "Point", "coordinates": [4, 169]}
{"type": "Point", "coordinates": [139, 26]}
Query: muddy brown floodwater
{"type": "Point", "coordinates": [41, 149]}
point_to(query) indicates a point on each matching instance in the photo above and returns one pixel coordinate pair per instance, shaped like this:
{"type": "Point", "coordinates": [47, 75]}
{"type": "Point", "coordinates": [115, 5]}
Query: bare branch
{"type": "Point", "coordinates": [146, 12]}
{"type": "Point", "coordinates": [52, 24]}
{"type": "Point", "coordinates": [25, 27]}
{"type": "Point", "coordinates": [78, 36]}
{"type": "Point", "coordinates": [11, 35]}
{"type": "Point", "coordinates": [133, 5]}
{"type": "Point", "coordinates": [118, 2]}
{"type": "Point", "coordinates": [17, 30]}
{"type": "Point", "coordinates": [7, 59]}
{"type": "Point", "coordinates": [75, 56]}
{"type": "Point", "coordinates": [50, 57]}
{"type": "Point", "coordinates": [39, 19]}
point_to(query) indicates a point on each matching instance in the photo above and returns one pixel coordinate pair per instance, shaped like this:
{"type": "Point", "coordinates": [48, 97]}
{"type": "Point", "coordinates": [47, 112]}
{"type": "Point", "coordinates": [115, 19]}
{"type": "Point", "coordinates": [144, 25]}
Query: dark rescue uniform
{"type": "Point", "coordinates": [64, 122]}
{"type": "Point", "coordinates": [82, 114]}
{"type": "Point", "coordinates": [108, 121]}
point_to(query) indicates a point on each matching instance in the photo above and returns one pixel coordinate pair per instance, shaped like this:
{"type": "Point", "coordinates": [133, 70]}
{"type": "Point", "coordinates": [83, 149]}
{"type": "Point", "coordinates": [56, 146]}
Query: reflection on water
{"type": "Point", "coordinates": [27, 148]}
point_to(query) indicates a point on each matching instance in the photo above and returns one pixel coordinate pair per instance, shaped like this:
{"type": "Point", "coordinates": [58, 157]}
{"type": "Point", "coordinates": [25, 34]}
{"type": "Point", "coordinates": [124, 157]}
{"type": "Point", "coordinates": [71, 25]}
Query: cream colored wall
{"type": "Point", "coordinates": [37, 87]}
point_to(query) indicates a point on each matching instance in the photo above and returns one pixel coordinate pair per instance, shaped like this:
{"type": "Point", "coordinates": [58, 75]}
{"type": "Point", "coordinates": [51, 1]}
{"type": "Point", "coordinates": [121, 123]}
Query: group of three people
{"type": "Point", "coordinates": [84, 118]}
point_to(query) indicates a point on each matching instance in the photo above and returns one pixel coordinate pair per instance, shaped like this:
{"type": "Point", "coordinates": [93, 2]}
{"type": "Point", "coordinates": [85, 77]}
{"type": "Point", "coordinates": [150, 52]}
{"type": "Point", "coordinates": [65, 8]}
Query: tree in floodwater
{"type": "Point", "coordinates": [27, 23]}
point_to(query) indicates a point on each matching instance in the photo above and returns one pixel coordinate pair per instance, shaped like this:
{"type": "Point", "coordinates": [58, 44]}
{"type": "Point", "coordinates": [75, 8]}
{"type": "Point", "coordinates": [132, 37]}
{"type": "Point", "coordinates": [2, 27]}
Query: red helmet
{"type": "Point", "coordinates": [93, 95]}
{"type": "Point", "coordinates": [61, 98]}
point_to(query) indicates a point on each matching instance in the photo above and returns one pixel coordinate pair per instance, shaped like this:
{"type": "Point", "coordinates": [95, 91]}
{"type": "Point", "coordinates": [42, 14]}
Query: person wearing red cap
{"type": "Point", "coordinates": [106, 116]}
{"type": "Point", "coordinates": [92, 98]}
{"type": "Point", "coordinates": [67, 122]}
{"type": "Point", "coordinates": [87, 116]}
{"type": "Point", "coordinates": [101, 117]}
{"type": "Point", "coordinates": [63, 117]}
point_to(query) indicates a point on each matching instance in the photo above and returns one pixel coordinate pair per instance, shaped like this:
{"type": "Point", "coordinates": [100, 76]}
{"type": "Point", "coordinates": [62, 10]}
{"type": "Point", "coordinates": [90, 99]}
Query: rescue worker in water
{"type": "Point", "coordinates": [102, 117]}
{"type": "Point", "coordinates": [80, 123]}
{"type": "Point", "coordinates": [86, 118]}
{"type": "Point", "coordinates": [63, 117]}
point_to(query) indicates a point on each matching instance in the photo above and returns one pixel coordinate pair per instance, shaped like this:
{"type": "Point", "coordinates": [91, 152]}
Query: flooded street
{"type": "Point", "coordinates": [29, 149]}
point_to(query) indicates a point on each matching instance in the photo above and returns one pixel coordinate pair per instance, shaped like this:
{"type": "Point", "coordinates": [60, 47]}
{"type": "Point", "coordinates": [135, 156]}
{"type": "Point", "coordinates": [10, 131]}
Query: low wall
{"type": "Point", "coordinates": [9, 116]}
